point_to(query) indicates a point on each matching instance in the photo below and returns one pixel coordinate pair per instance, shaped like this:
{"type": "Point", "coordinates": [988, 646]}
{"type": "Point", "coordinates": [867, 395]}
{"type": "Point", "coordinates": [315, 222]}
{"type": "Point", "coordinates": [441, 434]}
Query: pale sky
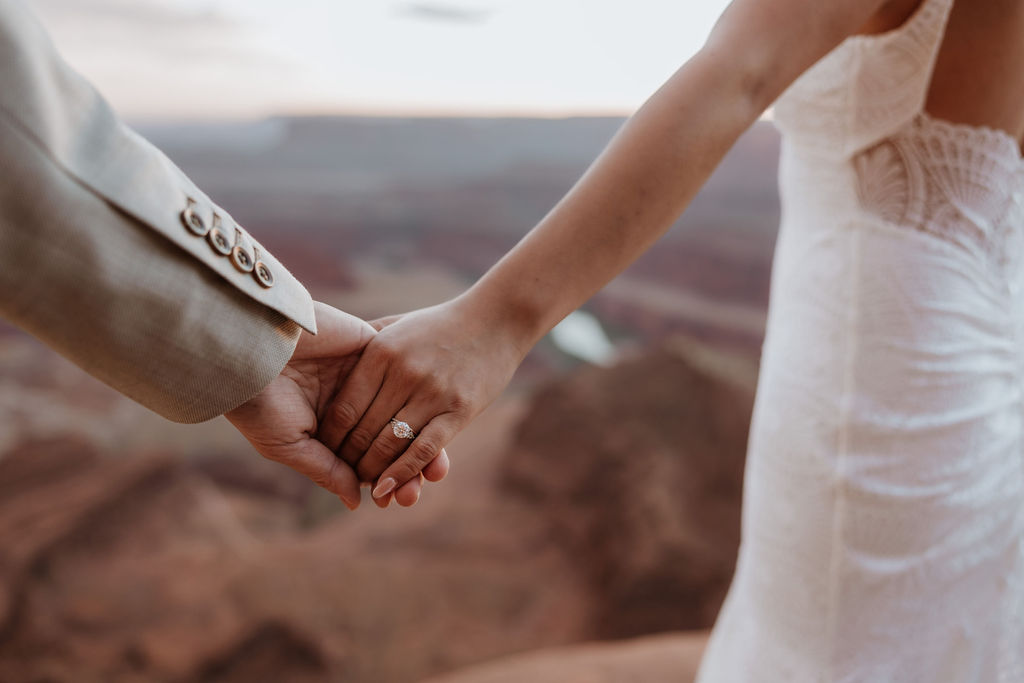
{"type": "Point", "coordinates": [215, 59]}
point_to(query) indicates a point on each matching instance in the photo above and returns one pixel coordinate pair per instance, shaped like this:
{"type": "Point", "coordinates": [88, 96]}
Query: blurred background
{"type": "Point", "coordinates": [388, 152]}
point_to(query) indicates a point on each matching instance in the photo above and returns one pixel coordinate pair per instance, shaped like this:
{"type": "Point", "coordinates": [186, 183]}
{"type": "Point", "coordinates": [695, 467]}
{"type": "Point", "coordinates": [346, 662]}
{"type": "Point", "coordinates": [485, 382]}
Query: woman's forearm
{"type": "Point", "coordinates": [659, 160]}
{"type": "Point", "coordinates": [438, 368]}
{"type": "Point", "coordinates": [628, 198]}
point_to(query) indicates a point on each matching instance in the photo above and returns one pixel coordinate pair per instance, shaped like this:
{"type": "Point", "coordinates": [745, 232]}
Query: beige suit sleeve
{"type": "Point", "coordinates": [110, 255]}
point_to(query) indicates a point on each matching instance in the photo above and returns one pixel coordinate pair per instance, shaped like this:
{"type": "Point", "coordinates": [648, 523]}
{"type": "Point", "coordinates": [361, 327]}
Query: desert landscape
{"type": "Point", "coordinates": [587, 532]}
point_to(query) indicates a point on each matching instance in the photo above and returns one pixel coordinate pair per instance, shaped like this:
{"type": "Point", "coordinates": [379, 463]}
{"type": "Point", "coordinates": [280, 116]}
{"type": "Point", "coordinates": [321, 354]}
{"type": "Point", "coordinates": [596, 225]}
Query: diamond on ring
{"type": "Point", "coordinates": [402, 429]}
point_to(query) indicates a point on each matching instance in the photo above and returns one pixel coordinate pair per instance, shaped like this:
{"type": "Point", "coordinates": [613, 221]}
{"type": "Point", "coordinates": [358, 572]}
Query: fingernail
{"type": "Point", "coordinates": [350, 505]}
{"type": "Point", "coordinates": [385, 487]}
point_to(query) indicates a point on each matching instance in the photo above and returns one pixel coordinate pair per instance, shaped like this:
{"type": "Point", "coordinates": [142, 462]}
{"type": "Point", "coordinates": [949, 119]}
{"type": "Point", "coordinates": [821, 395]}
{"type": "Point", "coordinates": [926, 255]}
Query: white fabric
{"type": "Point", "coordinates": [883, 525]}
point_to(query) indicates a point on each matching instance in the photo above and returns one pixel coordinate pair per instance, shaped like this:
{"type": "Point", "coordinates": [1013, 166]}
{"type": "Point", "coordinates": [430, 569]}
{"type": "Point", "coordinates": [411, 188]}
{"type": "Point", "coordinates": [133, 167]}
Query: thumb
{"type": "Point", "coordinates": [338, 334]}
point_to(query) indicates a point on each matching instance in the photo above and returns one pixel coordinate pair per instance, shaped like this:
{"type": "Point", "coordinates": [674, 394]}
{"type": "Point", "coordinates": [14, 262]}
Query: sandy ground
{"type": "Point", "coordinates": [669, 658]}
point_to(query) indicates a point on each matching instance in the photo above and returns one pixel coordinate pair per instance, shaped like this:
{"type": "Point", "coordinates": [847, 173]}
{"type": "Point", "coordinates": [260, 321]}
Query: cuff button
{"type": "Point", "coordinates": [194, 222]}
{"type": "Point", "coordinates": [240, 257]}
{"type": "Point", "coordinates": [263, 274]}
{"type": "Point", "coordinates": [219, 242]}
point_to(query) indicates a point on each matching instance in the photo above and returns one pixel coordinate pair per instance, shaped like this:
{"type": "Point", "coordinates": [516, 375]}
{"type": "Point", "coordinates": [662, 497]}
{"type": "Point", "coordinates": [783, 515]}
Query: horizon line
{"type": "Point", "coordinates": [412, 114]}
{"type": "Point", "coordinates": [398, 113]}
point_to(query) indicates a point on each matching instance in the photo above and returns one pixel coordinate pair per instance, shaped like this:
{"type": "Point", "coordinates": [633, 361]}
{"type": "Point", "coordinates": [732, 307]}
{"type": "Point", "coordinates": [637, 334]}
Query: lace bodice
{"type": "Point", "coordinates": [863, 105]}
{"type": "Point", "coordinates": [960, 183]}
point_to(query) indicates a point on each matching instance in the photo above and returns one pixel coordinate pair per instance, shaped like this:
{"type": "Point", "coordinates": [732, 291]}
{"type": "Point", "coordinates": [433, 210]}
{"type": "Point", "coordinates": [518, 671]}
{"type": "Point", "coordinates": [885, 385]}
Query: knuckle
{"type": "Point", "coordinates": [345, 413]}
{"type": "Point", "coordinates": [422, 452]}
{"type": "Point", "coordinates": [414, 373]}
{"type": "Point", "coordinates": [361, 439]}
{"type": "Point", "coordinates": [404, 471]}
{"type": "Point", "coordinates": [384, 349]}
{"type": "Point", "coordinates": [384, 449]}
{"type": "Point", "coordinates": [460, 402]}
{"type": "Point", "coordinates": [412, 462]}
{"type": "Point", "coordinates": [432, 388]}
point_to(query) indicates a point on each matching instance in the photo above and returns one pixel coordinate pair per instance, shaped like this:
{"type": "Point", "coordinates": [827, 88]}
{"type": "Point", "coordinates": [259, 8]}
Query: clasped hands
{"type": "Point", "coordinates": [328, 414]}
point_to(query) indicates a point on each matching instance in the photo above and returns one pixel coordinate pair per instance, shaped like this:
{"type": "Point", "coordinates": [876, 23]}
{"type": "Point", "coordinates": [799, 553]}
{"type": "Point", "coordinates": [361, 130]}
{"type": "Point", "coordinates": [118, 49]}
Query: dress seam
{"type": "Point", "coordinates": [1003, 648]}
{"type": "Point", "coordinates": [842, 451]}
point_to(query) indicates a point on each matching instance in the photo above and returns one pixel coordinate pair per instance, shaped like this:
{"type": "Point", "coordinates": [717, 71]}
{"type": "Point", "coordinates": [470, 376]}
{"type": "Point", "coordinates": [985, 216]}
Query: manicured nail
{"type": "Point", "coordinates": [385, 487]}
{"type": "Point", "coordinates": [350, 505]}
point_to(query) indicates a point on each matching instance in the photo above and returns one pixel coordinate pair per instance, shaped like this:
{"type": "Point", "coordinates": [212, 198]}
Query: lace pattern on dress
{"type": "Point", "coordinates": [962, 184]}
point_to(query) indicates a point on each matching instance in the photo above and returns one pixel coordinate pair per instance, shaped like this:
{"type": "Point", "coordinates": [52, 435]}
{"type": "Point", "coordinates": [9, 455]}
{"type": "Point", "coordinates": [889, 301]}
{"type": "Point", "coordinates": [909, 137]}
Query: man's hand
{"type": "Point", "coordinates": [281, 422]}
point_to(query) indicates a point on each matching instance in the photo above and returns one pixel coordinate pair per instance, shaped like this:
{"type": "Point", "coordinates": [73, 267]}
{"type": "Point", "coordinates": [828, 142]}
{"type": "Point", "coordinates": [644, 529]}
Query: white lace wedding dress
{"type": "Point", "coordinates": [883, 527]}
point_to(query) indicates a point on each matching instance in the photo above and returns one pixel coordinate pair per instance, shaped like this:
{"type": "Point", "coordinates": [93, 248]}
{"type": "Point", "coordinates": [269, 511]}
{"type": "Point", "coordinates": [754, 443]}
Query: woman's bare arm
{"type": "Point", "coordinates": [660, 159]}
{"type": "Point", "coordinates": [438, 368]}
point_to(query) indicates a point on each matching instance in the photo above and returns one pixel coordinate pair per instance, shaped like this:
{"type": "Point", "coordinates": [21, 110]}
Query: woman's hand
{"type": "Point", "coordinates": [434, 369]}
{"type": "Point", "coordinates": [283, 422]}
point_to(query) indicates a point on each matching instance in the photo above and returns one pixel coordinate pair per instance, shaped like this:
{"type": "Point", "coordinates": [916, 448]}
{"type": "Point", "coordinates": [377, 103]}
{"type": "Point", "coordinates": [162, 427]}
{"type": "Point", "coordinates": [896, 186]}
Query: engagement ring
{"type": "Point", "coordinates": [402, 429]}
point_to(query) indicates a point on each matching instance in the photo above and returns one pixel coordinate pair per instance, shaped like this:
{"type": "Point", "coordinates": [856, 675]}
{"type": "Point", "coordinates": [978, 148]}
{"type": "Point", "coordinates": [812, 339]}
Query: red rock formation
{"type": "Point", "coordinates": [610, 510]}
{"type": "Point", "coordinates": [638, 469]}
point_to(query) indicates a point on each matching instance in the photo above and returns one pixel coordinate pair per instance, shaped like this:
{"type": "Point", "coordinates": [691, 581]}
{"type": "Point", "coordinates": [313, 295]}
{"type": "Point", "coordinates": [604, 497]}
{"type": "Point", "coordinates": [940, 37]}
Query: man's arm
{"type": "Point", "coordinates": [110, 255]}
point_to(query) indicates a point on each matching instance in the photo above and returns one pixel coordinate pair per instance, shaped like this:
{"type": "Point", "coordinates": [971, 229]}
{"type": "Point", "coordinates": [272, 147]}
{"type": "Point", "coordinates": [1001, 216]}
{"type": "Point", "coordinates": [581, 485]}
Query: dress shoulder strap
{"type": "Point", "coordinates": [868, 87]}
{"type": "Point", "coordinates": [924, 29]}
